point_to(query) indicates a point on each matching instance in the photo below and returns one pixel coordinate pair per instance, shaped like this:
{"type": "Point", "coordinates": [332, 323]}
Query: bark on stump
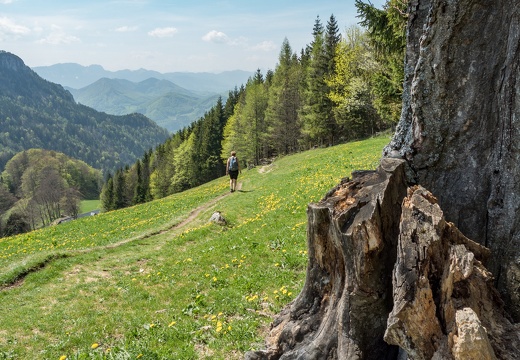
{"type": "Point", "coordinates": [343, 308]}
{"type": "Point", "coordinates": [386, 268]}
{"type": "Point", "coordinates": [445, 303]}
{"type": "Point", "coordinates": [459, 127]}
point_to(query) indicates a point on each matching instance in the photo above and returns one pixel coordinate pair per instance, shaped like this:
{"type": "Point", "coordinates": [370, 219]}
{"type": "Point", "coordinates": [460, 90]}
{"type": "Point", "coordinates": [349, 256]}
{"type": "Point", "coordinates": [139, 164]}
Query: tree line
{"type": "Point", "coordinates": [337, 89]}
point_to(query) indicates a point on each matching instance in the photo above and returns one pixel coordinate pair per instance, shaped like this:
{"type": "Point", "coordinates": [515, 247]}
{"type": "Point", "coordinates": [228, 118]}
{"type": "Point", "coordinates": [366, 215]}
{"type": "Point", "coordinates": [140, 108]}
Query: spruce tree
{"type": "Point", "coordinates": [284, 102]}
{"type": "Point", "coordinates": [119, 190]}
{"type": "Point", "coordinates": [139, 191]}
{"type": "Point", "coordinates": [107, 194]}
{"type": "Point", "coordinates": [315, 109]}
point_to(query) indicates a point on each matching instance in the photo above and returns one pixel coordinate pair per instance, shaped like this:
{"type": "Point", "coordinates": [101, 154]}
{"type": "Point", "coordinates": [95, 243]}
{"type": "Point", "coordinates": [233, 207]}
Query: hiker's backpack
{"type": "Point", "coordinates": [233, 164]}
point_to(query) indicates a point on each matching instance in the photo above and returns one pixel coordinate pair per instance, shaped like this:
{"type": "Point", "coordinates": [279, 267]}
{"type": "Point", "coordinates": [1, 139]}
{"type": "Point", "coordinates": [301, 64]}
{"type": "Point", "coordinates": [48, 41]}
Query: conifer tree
{"type": "Point", "coordinates": [315, 109]}
{"type": "Point", "coordinates": [139, 191]}
{"type": "Point", "coordinates": [107, 194]}
{"type": "Point", "coordinates": [284, 102]}
{"type": "Point", "coordinates": [119, 190]}
{"type": "Point", "coordinates": [386, 30]}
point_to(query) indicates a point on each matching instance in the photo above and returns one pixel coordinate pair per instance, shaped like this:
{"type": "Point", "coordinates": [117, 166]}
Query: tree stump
{"type": "Point", "coordinates": [388, 275]}
{"type": "Point", "coordinates": [352, 239]}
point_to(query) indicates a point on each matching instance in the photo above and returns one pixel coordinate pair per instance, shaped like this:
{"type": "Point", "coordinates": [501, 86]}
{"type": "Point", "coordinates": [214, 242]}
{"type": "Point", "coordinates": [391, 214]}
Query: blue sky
{"type": "Point", "coordinates": [166, 36]}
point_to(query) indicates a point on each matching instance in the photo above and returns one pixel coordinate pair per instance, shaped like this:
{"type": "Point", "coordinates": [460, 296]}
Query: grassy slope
{"type": "Point", "coordinates": [198, 291]}
{"type": "Point", "coordinates": [89, 205]}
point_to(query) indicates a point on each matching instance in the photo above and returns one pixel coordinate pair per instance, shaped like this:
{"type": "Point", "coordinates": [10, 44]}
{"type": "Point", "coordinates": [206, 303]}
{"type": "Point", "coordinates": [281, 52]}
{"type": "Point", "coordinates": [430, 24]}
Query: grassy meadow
{"type": "Point", "coordinates": [131, 284]}
{"type": "Point", "coordinates": [89, 205]}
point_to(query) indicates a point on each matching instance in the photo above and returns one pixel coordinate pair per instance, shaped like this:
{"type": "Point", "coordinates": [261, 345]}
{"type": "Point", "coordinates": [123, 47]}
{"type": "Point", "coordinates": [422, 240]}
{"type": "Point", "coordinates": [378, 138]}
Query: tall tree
{"type": "Point", "coordinates": [314, 111]}
{"type": "Point", "coordinates": [284, 104]}
{"type": "Point", "coordinates": [139, 190]}
{"type": "Point", "coordinates": [70, 202]}
{"type": "Point", "coordinates": [319, 120]}
{"type": "Point", "coordinates": [350, 87]}
{"type": "Point", "coordinates": [386, 30]}
{"type": "Point", "coordinates": [120, 200]}
{"type": "Point", "coordinates": [107, 194]}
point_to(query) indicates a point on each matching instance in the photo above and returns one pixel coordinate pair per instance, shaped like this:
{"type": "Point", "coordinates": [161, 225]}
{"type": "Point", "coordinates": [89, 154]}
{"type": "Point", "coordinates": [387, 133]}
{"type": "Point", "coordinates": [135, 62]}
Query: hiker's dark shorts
{"type": "Point", "coordinates": [233, 174]}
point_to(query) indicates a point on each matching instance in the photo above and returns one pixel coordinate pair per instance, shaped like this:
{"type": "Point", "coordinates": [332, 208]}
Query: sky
{"type": "Point", "coordinates": [165, 36]}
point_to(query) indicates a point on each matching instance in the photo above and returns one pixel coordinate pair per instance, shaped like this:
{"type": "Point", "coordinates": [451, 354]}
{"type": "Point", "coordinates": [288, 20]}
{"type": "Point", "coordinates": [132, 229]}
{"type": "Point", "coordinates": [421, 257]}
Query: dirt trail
{"type": "Point", "coordinates": [192, 216]}
{"type": "Point", "coordinates": [197, 211]}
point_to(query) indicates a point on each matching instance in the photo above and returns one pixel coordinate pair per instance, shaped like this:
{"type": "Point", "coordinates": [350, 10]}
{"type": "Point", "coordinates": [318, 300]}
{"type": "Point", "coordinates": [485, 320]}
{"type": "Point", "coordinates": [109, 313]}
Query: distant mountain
{"type": "Point", "coordinates": [168, 104]}
{"type": "Point", "coordinates": [35, 113]}
{"type": "Point", "coordinates": [77, 76]}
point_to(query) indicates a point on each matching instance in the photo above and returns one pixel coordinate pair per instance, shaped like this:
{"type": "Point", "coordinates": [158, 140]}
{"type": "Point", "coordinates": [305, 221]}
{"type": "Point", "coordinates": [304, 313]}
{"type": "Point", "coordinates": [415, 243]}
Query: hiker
{"type": "Point", "coordinates": [232, 168]}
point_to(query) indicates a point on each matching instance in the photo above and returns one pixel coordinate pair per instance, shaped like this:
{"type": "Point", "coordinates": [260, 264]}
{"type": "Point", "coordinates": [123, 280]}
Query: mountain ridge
{"type": "Point", "coordinates": [169, 105]}
{"type": "Point", "coordinates": [36, 113]}
{"type": "Point", "coordinates": [77, 76]}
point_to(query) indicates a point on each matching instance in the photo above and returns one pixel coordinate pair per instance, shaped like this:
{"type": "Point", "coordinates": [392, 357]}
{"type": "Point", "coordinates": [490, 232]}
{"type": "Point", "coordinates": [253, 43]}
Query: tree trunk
{"type": "Point", "coordinates": [459, 127]}
{"type": "Point", "coordinates": [459, 137]}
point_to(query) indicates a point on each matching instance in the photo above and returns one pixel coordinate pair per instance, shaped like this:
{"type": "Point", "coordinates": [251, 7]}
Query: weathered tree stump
{"type": "Point", "coordinates": [445, 303]}
{"type": "Point", "coordinates": [352, 239]}
{"type": "Point", "coordinates": [387, 269]}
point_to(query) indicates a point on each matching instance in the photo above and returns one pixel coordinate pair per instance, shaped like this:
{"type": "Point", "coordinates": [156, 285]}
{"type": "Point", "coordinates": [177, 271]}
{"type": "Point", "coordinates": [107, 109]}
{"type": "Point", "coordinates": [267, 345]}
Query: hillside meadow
{"type": "Point", "coordinates": [144, 283]}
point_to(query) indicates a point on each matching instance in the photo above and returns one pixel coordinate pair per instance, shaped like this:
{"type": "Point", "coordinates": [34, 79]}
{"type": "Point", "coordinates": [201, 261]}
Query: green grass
{"type": "Point", "coordinates": [89, 205]}
{"type": "Point", "coordinates": [131, 283]}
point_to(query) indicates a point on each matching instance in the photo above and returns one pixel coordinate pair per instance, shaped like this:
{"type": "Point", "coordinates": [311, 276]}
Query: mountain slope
{"type": "Point", "coordinates": [168, 104]}
{"type": "Point", "coordinates": [155, 287]}
{"type": "Point", "coordinates": [35, 113]}
{"type": "Point", "coordinates": [77, 76]}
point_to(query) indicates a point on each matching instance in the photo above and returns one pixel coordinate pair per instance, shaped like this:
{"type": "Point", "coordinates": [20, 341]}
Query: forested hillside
{"type": "Point", "coordinates": [35, 113]}
{"type": "Point", "coordinates": [339, 88]}
{"type": "Point", "coordinates": [168, 104]}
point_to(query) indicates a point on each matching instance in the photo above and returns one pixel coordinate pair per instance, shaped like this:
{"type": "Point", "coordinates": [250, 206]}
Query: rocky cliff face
{"type": "Point", "coordinates": [11, 62]}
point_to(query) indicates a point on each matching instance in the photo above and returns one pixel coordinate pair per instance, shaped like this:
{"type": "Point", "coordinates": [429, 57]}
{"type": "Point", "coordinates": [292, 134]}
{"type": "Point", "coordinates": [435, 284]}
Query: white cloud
{"type": "Point", "coordinates": [216, 37]}
{"type": "Point", "coordinates": [127, 28]}
{"type": "Point", "coordinates": [163, 32]}
{"type": "Point", "coordinates": [265, 46]}
{"type": "Point", "coordinates": [10, 29]}
{"type": "Point", "coordinates": [7, 1]}
{"type": "Point", "coordinates": [58, 37]}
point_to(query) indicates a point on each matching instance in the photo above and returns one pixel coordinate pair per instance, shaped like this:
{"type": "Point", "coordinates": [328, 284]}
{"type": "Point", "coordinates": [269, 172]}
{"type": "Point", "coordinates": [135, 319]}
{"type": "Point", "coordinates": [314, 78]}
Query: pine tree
{"type": "Point", "coordinates": [107, 194]}
{"type": "Point", "coordinates": [120, 201]}
{"type": "Point", "coordinates": [386, 30]}
{"type": "Point", "coordinates": [139, 191]}
{"type": "Point", "coordinates": [284, 102]}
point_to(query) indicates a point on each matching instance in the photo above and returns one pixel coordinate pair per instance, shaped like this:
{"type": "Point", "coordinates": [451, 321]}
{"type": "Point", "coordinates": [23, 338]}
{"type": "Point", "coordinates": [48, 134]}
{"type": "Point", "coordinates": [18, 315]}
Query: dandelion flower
{"type": "Point", "coordinates": [63, 357]}
{"type": "Point", "coordinates": [94, 346]}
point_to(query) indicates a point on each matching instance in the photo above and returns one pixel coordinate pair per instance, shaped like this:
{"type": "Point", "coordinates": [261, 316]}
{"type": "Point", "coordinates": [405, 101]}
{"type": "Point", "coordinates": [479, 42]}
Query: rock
{"type": "Point", "coordinates": [217, 218]}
